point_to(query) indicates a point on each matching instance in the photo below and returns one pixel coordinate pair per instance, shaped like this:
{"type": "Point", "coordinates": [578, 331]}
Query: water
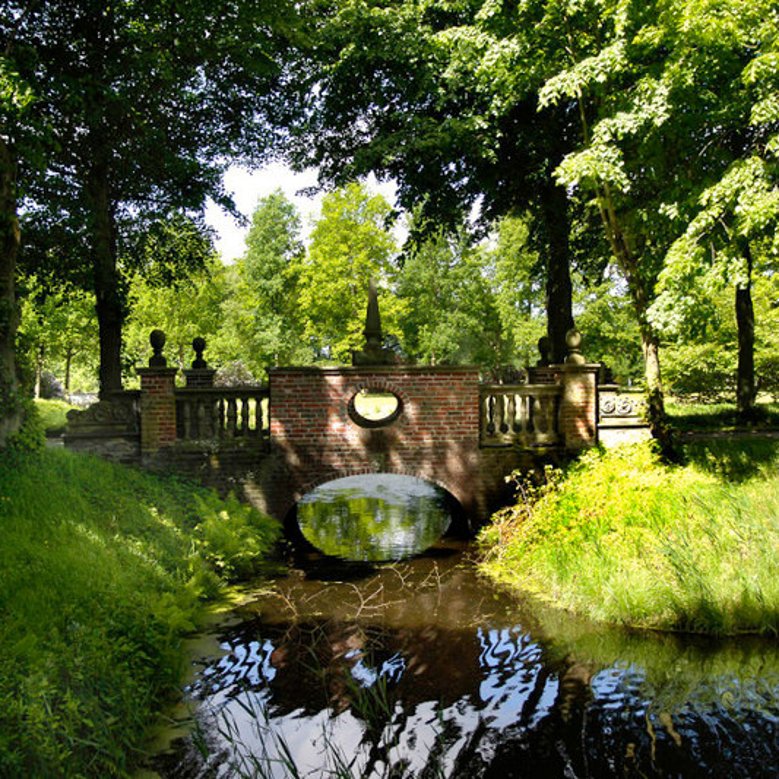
{"type": "Point", "coordinates": [375, 517]}
{"type": "Point", "coordinates": [420, 668]}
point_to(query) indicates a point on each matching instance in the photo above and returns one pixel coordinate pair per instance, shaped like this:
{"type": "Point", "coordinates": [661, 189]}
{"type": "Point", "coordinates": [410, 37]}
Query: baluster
{"type": "Point", "coordinates": [500, 415]}
{"type": "Point", "coordinates": [245, 411]}
{"type": "Point", "coordinates": [232, 415]}
{"type": "Point", "coordinates": [186, 418]}
{"type": "Point", "coordinates": [543, 425]}
{"type": "Point", "coordinates": [486, 417]}
{"type": "Point", "coordinates": [201, 418]}
{"type": "Point", "coordinates": [215, 418]}
{"type": "Point", "coordinates": [551, 417]}
{"type": "Point", "coordinates": [524, 419]}
{"type": "Point", "coordinates": [526, 412]}
{"type": "Point", "coordinates": [219, 405]}
{"type": "Point", "coordinates": [512, 415]}
{"type": "Point", "coordinates": [259, 424]}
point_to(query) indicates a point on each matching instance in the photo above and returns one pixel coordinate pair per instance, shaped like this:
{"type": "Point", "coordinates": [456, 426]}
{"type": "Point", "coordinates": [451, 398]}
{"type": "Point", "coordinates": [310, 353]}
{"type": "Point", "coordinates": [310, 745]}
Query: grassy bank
{"type": "Point", "coordinates": [102, 570]}
{"type": "Point", "coordinates": [624, 539]}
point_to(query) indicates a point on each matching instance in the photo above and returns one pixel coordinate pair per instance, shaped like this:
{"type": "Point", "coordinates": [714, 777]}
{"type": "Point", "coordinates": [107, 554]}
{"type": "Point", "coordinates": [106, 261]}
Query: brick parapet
{"type": "Point", "coordinates": [578, 418]}
{"type": "Point", "coordinates": [158, 408]}
{"type": "Point", "coordinates": [435, 436]}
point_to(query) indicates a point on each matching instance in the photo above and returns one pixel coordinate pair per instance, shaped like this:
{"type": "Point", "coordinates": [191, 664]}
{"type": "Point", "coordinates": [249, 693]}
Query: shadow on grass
{"type": "Point", "coordinates": [736, 459]}
{"type": "Point", "coordinates": [720, 416]}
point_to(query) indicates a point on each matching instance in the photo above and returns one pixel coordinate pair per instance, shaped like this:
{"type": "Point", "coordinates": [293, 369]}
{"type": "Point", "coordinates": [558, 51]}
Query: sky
{"type": "Point", "coordinates": [249, 186]}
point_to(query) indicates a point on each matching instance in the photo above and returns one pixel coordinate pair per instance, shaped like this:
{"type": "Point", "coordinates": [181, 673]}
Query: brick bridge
{"type": "Point", "coordinates": [272, 444]}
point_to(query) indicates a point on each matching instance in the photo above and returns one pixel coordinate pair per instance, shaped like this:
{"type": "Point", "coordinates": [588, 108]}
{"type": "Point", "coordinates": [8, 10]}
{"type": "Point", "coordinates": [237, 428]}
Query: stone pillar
{"type": "Point", "coordinates": [199, 376]}
{"type": "Point", "coordinates": [579, 403]}
{"type": "Point", "coordinates": [158, 399]}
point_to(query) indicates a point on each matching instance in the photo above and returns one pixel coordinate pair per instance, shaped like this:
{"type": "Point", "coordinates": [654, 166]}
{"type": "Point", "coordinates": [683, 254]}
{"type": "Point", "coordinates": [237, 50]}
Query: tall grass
{"type": "Point", "coordinates": [102, 571]}
{"type": "Point", "coordinates": [622, 538]}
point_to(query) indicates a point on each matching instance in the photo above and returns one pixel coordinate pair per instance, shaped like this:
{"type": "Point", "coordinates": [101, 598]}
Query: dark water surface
{"type": "Point", "coordinates": [420, 668]}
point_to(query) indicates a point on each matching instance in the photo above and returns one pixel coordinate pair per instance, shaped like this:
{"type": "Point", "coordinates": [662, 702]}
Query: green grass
{"type": "Point", "coordinates": [718, 416]}
{"type": "Point", "coordinates": [53, 414]}
{"type": "Point", "coordinates": [103, 569]}
{"type": "Point", "coordinates": [622, 538]}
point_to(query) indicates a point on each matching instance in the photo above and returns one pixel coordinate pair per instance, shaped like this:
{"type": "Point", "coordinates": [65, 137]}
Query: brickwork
{"type": "Point", "coordinates": [578, 409]}
{"type": "Point", "coordinates": [158, 408]}
{"type": "Point", "coordinates": [435, 437]}
{"type": "Point", "coordinates": [316, 436]}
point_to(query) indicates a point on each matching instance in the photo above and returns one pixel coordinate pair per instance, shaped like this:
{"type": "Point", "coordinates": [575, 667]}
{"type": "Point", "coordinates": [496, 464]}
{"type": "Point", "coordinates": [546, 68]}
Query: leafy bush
{"type": "Point", "coordinates": [232, 536]}
{"type": "Point", "coordinates": [623, 538]}
{"type": "Point", "coordinates": [702, 372]}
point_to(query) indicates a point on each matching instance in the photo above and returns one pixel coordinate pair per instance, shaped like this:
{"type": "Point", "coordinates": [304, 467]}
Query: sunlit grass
{"type": "Point", "coordinates": [53, 414]}
{"type": "Point", "coordinates": [102, 571]}
{"type": "Point", "coordinates": [622, 538]}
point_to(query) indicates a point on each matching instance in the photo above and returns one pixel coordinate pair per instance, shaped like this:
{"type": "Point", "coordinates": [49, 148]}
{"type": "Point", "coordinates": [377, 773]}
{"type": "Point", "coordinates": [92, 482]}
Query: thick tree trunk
{"type": "Point", "coordinates": [745, 322]}
{"type": "Point", "coordinates": [109, 300]}
{"type": "Point", "coordinates": [559, 305]}
{"type": "Point", "coordinates": [10, 401]}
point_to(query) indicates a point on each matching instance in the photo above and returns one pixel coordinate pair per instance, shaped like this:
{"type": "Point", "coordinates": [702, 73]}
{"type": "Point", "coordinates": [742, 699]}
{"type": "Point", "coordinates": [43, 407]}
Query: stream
{"type": "Point", "coordinates": [402, 661]}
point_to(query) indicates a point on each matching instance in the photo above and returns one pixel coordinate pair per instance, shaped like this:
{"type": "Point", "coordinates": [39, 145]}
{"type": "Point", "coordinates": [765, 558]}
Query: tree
{"type": "Point", "coordinates": [662, 112]}
{"type": "Point", "coordinates": [350, 245]}
{"type": "Point", "coordinates": [186, 310]}
{"type": "Point", "coordinates": [442, 97]}
{"type": "Point", "coordinates": [262, 324]}
{"type": "Point", "coordinates": [57, 327]}
{"type": "Point", "coordinates": [21, 140]}
{"type": "Point", "coordinates": [147, 102]}
{"type": "Point", "coordinates": [451, 314]}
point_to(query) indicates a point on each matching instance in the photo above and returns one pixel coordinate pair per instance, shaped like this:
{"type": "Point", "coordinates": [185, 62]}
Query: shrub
{"type": "Point", "coordinates": [701, 372]}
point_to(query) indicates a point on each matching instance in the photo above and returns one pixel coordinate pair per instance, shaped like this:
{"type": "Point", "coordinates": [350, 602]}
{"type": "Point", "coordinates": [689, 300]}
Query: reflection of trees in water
{"type": "Point", "coordinates": [439, 675]}
{"type": "Point", "coordinates": [350, 524]}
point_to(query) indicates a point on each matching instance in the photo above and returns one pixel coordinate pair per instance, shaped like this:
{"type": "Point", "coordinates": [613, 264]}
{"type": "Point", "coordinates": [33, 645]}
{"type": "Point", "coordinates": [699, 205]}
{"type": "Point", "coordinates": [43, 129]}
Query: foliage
{"type": "Point", "coordinates": [622, 538]}
{"type": "Point", "coordinates": [350, 245]}
{"type": "Point", "coordinates": [232, 536]}
{"type": "Point", "coordinates": [451, 313]}
{"type": "Point", "coordinates": [58, 332]}
{"type": "Point", "coordinates": [191, 308]}
{"type": "Point", "coordinates": [146, 107]}
{"type": "Point", "coordinates": [100, 576]}
{"type": "Point", "coordinates": [261, 319]}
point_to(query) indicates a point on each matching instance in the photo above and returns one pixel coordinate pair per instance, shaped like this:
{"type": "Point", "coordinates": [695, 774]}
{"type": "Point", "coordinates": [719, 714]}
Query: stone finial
{"type": "Point", "coordinates": [373, 353]}
{"type": "Point", "coordinates": [544, 351]}
{"type": "Point", "coordinates": [372, 330]}
{"type": "Point", "coordinates": [573, 340]}
{"type": "Point", "coordinates": [157, 341]}
{"type": "Point", "coordinates": [199, 345]}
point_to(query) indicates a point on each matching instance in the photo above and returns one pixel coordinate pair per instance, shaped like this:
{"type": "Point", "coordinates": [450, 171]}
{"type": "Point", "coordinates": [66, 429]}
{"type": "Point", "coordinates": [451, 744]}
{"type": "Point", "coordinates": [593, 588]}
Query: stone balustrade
{"type": "Point", "coordinates": [523, 415]}
{"type": "Point", "coordinates": [221, 413]}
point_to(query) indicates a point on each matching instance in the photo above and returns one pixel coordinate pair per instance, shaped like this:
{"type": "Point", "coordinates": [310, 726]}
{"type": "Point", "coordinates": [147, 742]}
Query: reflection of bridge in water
{"type": "Point", "coordinates": [274, 443]}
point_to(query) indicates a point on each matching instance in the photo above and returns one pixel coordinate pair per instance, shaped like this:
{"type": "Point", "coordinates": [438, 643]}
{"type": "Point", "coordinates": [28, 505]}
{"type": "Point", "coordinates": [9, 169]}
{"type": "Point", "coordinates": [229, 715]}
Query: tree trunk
{"type": "Point", "coordinates": [109, 300]}
{"type": "Point", "coordinates": [39, 360]}
{"type": "Point", "coordinates": [10, 401]}
{"type": "Point", "coordinates": [745, 322]}
{"type": "Point", "coordinates": [68, 361]}
{"type": "Point", "coordinates": [559, 306]}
